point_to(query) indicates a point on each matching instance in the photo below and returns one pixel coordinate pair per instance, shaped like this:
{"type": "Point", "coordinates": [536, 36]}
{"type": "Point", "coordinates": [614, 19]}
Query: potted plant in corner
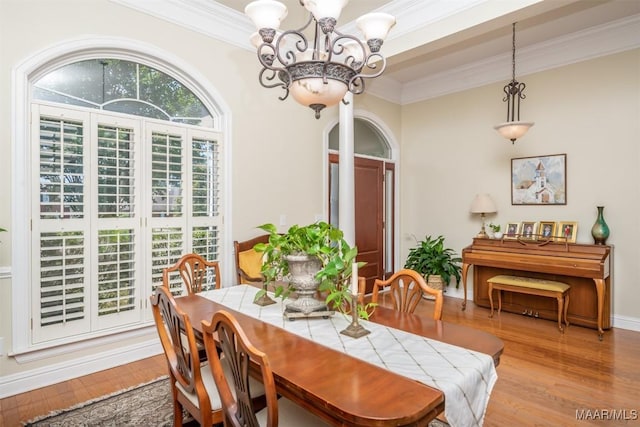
{"type": "Point", "coordinates": [309, 258]}
{"type": "Point", "coordinates": [435, 262]}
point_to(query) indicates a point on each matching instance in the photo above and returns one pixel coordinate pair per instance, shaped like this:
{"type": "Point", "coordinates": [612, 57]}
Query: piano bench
{"type": "Point", "coordinates": [531, 286]}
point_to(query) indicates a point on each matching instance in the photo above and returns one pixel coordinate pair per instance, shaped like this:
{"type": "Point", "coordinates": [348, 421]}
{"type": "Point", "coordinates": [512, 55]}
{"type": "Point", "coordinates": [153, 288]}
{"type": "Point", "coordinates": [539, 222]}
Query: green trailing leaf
{"type": "Point", "coordinates": [321, 240]}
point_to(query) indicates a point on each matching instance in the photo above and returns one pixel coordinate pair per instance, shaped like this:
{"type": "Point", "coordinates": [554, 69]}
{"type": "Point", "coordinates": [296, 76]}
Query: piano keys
{"type": "Point", "coordinates": [586, 268]}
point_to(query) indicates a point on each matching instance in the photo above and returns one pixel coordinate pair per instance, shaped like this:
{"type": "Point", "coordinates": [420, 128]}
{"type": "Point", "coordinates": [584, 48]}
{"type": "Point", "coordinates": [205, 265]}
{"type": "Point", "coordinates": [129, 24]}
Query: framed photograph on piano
{"type": "Point", "coordinates": [547, 230]}
{"type": "Point", "coordinates": [567, 231]}
{"type": "Point", "coordinates": [528, 230]}
{"type": "Point", "coordinates": [511, 230]}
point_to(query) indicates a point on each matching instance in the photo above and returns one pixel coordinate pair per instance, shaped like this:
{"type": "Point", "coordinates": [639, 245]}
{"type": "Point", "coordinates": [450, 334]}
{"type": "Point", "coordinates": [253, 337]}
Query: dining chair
{"type": "Point", "coordinates": [236, 394]}
{"type": "Point", "coordinates": [406, 289]}
{"type": "Point", "coordinates": [197, 273]}
{"type": "Point", "coordinates": [248, 260]}
{"type": "Point", "coordinates": [191, 386]}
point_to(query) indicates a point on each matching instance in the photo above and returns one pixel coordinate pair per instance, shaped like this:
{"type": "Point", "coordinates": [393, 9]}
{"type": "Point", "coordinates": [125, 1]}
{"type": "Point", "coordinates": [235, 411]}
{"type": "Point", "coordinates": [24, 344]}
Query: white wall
{"type": "Point", "coordinates": [590, 111]}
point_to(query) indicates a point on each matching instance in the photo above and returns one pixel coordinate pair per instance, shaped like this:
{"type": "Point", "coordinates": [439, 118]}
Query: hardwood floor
{"type": "Point", "coordinates": [545, 378]}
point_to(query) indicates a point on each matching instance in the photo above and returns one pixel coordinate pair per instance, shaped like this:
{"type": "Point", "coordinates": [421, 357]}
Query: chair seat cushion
{"type": "Point", "coordinates": [256, 387]}
{"type": "Point", "coordinates": [529, 282]}
{"type": "Point", "coordinates": [250, 262]}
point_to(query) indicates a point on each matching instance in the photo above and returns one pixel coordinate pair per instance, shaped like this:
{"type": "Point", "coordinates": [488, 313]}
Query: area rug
{"type": "Point", "coordinates": [144, 405]}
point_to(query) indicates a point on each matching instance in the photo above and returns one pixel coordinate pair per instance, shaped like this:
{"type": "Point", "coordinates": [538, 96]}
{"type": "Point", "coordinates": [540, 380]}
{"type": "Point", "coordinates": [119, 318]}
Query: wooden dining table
{"type": "Point", "coordinates": [342, 389]}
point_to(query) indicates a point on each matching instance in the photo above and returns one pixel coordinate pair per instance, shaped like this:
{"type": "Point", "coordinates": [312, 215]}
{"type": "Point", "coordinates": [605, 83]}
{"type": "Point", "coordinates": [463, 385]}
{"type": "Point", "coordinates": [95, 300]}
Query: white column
{"type": "Point", "coordinates": [346, 186]}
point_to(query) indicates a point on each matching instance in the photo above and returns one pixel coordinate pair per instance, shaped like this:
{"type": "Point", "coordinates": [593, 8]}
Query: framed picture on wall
{"type": "Point", "coordinates": [511, 230]}
{"type": "Point", "coordinates": [567, 230]}
{"type": "Point", "coordinates": [539, 180]}
{"type": "Point", "coordinates": [547, 230]}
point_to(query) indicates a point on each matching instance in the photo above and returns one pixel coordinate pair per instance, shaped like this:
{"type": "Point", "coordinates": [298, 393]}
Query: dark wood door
{"type": "Point", "coordinates": [369, 227]}
{"type": "Point", "coordinates": [369, 175]}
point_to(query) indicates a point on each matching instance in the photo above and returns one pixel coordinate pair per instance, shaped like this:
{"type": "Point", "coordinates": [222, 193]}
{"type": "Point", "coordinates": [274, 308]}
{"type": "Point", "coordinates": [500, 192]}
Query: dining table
{"type": "Point", "coordinates": [404, 372]}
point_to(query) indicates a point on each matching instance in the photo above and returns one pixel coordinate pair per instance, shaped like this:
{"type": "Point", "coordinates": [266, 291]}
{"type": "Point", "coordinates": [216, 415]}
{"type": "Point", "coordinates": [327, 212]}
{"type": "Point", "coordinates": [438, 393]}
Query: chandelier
{"type": "Point", "coordinates": [513, 128]}
{"type": "Point", "coordinates": [316, 63]}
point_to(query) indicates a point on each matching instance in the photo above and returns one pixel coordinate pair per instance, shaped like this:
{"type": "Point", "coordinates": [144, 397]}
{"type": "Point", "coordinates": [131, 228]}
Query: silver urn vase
{"type": "Point", "coordinates": [302, 270]}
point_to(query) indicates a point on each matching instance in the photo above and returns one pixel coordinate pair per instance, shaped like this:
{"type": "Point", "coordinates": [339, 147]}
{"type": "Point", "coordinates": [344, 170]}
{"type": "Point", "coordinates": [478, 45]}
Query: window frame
{"type": "Point", "coordinates": [22, 128]}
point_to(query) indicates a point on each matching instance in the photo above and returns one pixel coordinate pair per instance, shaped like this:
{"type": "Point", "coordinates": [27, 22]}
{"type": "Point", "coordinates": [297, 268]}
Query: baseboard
{"type": "Point", "coordinates": [626, 322]}
{"type": "Point", "coordinates": [52, 374]}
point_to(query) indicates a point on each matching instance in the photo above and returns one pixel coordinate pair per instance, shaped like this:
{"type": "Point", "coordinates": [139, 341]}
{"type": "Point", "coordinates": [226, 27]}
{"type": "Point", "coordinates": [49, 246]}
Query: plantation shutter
{"type": "Point", "coordinates": [60, 256]}
{"type": "Point", "coordinates": [205, 198]}
{"type": "Point", "coordinates": [117, 200]}
{"type": "Point", "coordinates": [168, 216]}
{"type": "Point", "coordinates": [118, 232]}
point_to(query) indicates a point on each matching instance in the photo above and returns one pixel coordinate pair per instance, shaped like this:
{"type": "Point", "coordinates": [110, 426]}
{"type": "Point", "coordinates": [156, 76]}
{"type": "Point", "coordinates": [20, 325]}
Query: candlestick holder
{"type": "Point", "coordinates": [355, 329]}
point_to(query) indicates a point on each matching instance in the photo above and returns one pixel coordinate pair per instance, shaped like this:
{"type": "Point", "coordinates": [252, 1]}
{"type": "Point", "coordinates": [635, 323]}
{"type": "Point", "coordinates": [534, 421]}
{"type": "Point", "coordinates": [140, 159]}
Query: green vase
{"type": "Point", "coordinates": [600, 230]}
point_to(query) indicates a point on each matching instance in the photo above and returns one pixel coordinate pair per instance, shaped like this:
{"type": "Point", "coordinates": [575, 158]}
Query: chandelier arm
{"type": "Point", "coordinates": [328, 49]}
{"type": "Point", "coordinates": [283, 75]}
{"type": "Point", "coordinates": [288, 56]}
{"type": "Point", "coordinates": [373, 66]}
{"type": "Point", "coordinates": [338, 48]}
{"type": "Point", "coordinates": [521, 88]}
{"type": "Point", "coordinates": [264, 78]}
{"type": "Point", "coordinates": [356, 85]}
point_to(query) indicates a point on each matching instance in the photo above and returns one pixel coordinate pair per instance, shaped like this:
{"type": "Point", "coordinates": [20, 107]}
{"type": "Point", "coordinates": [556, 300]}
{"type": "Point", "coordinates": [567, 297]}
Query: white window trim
{"type": "Point", "coordinates": [63, 53]}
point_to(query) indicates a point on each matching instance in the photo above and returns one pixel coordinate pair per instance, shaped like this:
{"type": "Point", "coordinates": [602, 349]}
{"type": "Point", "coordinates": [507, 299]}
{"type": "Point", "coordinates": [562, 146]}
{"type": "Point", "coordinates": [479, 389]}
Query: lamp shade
{"type": "Point", "coordinates": [375, 25]}
{"type": "Point", "coordinates": [325, 8]}
{"type": "Point", "coordinates": [266, 13]}
{"type": "Point", "coordinates": [313, 90]}
{"type": "Point", "coordinates": [482, 204]}
{"type": "Point", "coordinates": [513, 130]}
{"type": "Point", "coordinates": [354, 50]}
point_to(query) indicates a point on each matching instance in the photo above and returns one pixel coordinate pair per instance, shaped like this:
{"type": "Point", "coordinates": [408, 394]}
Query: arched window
{"type": "Point", "coordinates": [367, 140]}
{"type": "Point", "coordinates": [123, 86]}
{"type": "Point", "coordinates": [126, 179]}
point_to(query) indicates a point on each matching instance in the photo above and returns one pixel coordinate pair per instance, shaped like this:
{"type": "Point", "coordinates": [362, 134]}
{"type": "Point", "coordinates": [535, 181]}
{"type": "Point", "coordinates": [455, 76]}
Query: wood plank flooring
{"type": "Point", "coordinates": [545, 378]}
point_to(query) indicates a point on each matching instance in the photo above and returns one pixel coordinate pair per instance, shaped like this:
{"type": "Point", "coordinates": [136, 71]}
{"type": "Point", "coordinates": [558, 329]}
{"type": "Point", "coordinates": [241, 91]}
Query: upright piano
{"type": "Point", "coordinates": [586, 268]}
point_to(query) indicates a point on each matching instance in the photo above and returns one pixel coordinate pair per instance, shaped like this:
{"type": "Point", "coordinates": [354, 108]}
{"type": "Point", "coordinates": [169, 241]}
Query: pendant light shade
{"type": "Point", "coordinates": [513, 128]}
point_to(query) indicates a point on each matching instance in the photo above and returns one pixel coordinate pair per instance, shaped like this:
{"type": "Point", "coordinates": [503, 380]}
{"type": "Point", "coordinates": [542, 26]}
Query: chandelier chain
{"type": "Point", "coordinates": [513, 53]}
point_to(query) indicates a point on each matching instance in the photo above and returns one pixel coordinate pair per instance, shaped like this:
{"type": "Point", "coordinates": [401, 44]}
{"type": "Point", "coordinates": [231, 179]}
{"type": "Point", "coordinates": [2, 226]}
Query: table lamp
{"type": "Point", "coordinates": [482, 204]}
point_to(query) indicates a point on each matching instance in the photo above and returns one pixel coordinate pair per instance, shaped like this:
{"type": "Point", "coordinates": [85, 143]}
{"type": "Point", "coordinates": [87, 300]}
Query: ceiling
{"type": "Point", "coordinates": [441, 46]}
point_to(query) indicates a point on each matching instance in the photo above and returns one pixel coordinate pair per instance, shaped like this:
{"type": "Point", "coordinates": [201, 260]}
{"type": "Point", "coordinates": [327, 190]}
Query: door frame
{"type": "Point", "coordinates": [388, 135]}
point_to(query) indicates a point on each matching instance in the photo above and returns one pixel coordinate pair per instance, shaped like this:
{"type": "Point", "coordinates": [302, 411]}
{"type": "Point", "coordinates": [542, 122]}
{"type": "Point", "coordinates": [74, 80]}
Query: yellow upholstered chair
{"type": "Point", "coordinates": [236, 392]}
{"type": "Point", "coordinates": [406, 289]}
{"type": "Point", "coordinates": [248, 261]}
{"type": "Point", "coordinates": [196, 272]}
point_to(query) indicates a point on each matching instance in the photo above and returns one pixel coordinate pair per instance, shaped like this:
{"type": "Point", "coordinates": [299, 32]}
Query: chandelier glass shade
{"type": "Point", "coordinates": [513, 128]}
{"type": "Point", "coordinates": [316, 63]}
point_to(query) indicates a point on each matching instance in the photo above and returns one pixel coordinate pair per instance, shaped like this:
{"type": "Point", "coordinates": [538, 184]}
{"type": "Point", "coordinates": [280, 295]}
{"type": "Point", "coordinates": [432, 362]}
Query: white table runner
{"type": "Point", "coordinates": [465, 377]}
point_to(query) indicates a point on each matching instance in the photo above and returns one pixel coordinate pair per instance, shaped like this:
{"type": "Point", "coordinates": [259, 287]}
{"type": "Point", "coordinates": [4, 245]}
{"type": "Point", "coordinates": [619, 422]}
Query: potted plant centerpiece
{"type": "Point", "coordinates": [306, 259]}
{"type": "Point", "coordinates": [435, 262]}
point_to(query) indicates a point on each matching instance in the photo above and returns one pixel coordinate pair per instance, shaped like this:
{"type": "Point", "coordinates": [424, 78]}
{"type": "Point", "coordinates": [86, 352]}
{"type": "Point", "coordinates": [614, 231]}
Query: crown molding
{"type": "Point", "coordinates": [230, 26]}
{"type": "Point", "coordinates": [602, 40]}
{"type": "Point", "coordinates": [206, 17]}
{"type": "Point", "coordinates": [226, 24]}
